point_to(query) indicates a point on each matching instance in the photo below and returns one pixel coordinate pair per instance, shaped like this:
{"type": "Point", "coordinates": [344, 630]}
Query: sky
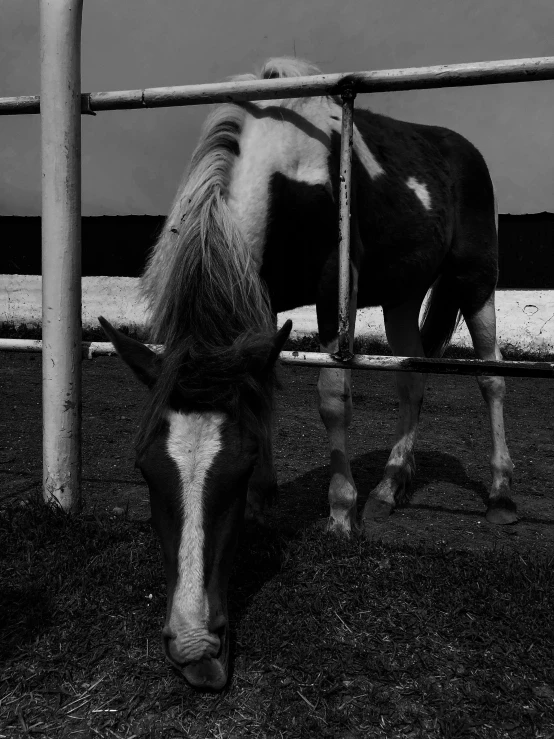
{"type": "Point", "coordinates": [133, 160]}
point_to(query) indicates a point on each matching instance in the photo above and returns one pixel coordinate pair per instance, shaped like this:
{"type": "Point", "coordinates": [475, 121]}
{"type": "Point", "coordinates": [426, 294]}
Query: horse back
{"type": "Point", "coordinates": [434, 184]}
{"type": "Point", "coordinates": [414, 188]}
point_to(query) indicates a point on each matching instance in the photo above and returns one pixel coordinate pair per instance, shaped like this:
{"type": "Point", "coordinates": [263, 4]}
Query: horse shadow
{"type": "Point", "coordinates": [262, 551]}
{"type": "Point", "coordinates": [302, 504]}
{"type": "Point", "coordinates": [303, 500]}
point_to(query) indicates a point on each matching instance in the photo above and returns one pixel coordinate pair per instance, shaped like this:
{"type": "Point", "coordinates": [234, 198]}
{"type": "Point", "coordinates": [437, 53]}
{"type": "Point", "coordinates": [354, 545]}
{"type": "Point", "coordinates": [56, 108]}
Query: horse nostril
{"type": "Point", "coordinates": [220, 632]}
{"type": "Point", "coordinates": [218, 625]}
{"type": "Point", "coordinates": [184, 649]}
{"type": "Point", "coordinates": [167, 638]}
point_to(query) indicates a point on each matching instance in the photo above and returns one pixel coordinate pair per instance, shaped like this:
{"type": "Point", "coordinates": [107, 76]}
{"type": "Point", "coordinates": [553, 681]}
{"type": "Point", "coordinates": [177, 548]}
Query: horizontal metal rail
{"type": "Point", "coordinates": [385, 80]}
{"type": "Point", "coordinates": [92, 349]}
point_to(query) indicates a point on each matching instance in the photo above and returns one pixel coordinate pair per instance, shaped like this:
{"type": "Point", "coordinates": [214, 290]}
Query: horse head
{"type": "Point", "coordinates": [197, 457]}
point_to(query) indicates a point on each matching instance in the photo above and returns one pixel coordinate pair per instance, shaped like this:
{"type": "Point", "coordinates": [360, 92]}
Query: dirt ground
{"type": "Point", "coordinates": [452, 452]}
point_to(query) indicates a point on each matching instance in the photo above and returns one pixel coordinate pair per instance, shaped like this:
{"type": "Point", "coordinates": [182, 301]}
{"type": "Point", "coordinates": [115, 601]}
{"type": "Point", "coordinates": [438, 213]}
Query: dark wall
{"type": "Point", "coordinates": [118, 246]}
{"type": "Point", "coordinates": [111, 245]}
{"type": "Point", "coordinates": [526, 247]}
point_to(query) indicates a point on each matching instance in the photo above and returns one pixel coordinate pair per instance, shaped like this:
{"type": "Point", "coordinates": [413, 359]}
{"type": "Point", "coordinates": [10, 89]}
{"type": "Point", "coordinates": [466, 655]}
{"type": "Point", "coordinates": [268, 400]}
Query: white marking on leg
{"type": "Point", "coordinates": [482, 327]}
{"type": "Point", "coordinates": [335, 410]}
{"type": "Point", "coordinates": [421, 191]}
{"type": "Point", "coordinates": [193, 442]}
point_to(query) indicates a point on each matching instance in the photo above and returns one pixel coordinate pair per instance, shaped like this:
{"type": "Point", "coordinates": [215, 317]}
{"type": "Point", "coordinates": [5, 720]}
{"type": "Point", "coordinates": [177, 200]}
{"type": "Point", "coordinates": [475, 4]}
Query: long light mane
{"type": "Point", "coordinates": [205, 299]}
{"type": "Point", "coordinates": [200, 275]}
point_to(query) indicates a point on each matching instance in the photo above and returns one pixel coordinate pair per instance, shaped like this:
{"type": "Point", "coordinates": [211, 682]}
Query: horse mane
{"type": "Point", "coordinates": [200, 269]}
{"type": "Point", "coordinates": [204, 296]}
{"type": "Point", "coordinates": [287, 66]}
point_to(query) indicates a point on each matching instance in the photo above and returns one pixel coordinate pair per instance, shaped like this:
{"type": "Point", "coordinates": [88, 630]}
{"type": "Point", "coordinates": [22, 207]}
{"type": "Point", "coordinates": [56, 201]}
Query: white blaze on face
{"type": "Point", "coordinates": [420, 189]}
{"type": "Point", "coordinates": [193, 443]}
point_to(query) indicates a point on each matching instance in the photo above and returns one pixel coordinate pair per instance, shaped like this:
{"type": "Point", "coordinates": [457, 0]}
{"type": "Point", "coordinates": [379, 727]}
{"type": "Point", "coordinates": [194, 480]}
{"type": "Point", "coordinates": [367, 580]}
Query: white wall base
{"type": "Point", "coordinates": [525, 318]}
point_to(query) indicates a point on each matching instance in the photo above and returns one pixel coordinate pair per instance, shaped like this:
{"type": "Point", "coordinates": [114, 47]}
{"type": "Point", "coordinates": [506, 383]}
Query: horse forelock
{"type": "Point", "coordinates": [234, 380]}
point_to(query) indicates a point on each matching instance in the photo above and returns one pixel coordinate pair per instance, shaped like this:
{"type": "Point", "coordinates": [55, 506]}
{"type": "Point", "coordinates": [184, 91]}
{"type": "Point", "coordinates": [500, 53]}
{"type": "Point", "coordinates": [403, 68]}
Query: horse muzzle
{"type": "Point", "coordinates": [201, 657]}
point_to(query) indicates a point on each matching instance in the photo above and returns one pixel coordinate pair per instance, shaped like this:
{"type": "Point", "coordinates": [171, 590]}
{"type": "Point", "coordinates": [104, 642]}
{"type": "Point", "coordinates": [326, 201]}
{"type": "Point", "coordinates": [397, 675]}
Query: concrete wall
{"type": "Point", "coordinates": [525, 318]}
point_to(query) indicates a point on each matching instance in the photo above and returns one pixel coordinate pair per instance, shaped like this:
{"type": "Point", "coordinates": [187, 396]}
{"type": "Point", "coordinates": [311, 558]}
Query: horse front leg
{"type": "Point", "coordinates": [402, 329]}
{"type": "Point", "coordinates": [335, 409]}
{"type": "Point", "coordinates": [262, 486]}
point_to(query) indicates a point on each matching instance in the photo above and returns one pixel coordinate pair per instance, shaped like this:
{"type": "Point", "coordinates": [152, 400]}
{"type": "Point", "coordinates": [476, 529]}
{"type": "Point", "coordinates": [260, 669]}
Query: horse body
{"type": "Point", "coordinates": [283, 194]}
{"type": "Point", "coordinates": [254, 231]}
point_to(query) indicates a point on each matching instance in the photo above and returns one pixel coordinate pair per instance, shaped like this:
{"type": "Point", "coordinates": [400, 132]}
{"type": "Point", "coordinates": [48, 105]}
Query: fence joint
{"type": "Point", "coordinates": [85, 104]}
{"type": "Point", "coordinates": [347, 91]}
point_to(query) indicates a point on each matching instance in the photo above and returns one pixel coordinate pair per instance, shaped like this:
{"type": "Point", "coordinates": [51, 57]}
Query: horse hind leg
{"type": "Point", "coordinates": [501, 509]}
{"type": "Point", "coordinates": [403, 335]}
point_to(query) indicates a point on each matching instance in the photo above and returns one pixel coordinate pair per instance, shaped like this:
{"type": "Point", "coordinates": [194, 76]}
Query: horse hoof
{"type": "Point", "coordinates": [331, 525]}
{"type": "Point", "coordinates": [377, 510]}
{"type": "Point", "coordinates": [502, 512]}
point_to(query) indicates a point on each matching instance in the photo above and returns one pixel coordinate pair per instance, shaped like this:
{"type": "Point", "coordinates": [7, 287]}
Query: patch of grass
{"type": "Point", "coordinates": [331, 638]}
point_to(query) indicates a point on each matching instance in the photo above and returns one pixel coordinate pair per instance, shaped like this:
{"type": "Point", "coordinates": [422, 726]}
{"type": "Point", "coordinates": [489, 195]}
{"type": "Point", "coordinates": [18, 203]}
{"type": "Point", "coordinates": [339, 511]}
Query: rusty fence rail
{"type": "Point", "coordinates": [374, 362]}
{"type": "Point", "coordinates": [534, 69]}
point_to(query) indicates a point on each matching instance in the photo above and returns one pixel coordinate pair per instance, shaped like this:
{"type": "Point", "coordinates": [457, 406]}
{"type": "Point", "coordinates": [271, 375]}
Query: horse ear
{"type": "Point", "coordinates": [143, 361]}
{"type": "Point", "coordinates": [279, 341]}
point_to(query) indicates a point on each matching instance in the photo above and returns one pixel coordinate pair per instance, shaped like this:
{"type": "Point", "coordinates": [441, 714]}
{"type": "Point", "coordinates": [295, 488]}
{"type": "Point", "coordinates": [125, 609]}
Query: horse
{"type": "Point", "coordinates": [253, 231]}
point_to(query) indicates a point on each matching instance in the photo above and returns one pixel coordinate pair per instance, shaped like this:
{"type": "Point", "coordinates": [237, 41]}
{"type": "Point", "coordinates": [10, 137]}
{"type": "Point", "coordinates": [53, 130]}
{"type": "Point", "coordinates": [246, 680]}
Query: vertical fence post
{"type": "Point", "coordinates": [344, 221]}
{"type": "Point", "coordinates": [60, 107]}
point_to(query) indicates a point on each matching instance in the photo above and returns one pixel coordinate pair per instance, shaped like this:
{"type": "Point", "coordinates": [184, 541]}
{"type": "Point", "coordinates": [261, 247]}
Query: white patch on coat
{"type": "Point", "coordinates": [421, 191]}
{"type": "Point", "coordinates": [193, 442]}
{"type": "Point", "coordinates": [328, 118]}
{"type": "Point", "coordinates": [366, 157]}
{"type": "Point", "coordinates": [276, 144]}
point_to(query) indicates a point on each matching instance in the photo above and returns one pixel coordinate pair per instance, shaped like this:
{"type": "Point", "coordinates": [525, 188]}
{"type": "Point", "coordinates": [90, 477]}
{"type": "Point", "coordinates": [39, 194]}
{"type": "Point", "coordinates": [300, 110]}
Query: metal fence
{"type": "Point", "coordinates": [61, 104]}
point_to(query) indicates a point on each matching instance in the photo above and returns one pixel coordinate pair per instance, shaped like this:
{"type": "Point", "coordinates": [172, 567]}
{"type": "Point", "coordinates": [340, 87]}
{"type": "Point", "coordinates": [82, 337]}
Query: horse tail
{"type": "Point", "coordinates": [441, 317]}
{"type": "Point", "coordinates": [200, 267]}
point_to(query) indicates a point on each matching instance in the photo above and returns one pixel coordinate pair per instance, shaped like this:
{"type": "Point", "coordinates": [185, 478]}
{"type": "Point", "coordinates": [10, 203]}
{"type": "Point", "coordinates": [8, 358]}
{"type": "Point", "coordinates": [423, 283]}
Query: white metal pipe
{"type": "Point", "coordinates": [60, 30]}
{"type": "Point", "coordinates": [385, 80]}
{"type": "Point", "coordinates": [345, 186]}
{"type": "Point", "coordinates": [505, 368]}
{"type": "Point", "coordinates": [381, 363]}
{"type": "Point", "coordinates": [20, 345]}
{"type": "Point", "coordinates": [92, 349]}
